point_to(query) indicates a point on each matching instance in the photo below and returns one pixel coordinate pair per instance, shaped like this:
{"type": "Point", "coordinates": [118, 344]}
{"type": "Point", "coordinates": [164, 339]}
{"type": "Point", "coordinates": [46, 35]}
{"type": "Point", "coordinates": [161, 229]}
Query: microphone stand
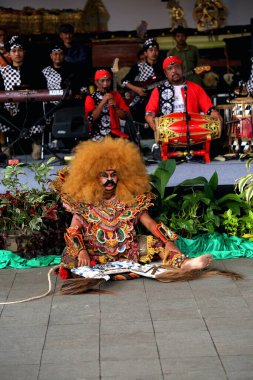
{"type": "Point", "coordinates": [187, 119]}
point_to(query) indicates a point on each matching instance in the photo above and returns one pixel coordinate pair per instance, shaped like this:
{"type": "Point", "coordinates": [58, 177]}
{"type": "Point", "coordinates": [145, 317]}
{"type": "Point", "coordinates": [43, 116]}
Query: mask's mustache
{"type": "Point", "coordinates": [109, 182]}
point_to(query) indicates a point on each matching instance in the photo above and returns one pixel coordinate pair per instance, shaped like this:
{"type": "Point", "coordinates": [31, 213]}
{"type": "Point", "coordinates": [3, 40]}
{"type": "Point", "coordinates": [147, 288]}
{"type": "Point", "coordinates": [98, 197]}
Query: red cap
{"type": "Point", "coordinates": [102, 73]}
{"type": "Point", "coordinates": [171, 60]}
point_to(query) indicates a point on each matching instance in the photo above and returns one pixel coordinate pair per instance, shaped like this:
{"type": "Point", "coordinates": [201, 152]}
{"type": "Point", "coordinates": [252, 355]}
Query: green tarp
{"type": "Point", "coordinates": [219, 245]}
{"type": "Point", "coordinates": [9, 259]}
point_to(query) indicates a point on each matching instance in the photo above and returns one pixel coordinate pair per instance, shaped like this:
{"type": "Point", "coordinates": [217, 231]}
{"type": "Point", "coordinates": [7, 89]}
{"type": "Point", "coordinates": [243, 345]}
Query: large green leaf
{"type": "Point", "coordinates": [194, 181]}
{"type": "Point", "coordinates": [213, 182]}
{"type": "Point", "coordinates": [162, 174]}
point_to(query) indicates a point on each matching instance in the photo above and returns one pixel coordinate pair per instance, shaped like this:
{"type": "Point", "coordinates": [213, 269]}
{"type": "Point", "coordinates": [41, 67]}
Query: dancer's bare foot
{"type": "Point", "coordinates": [197, 263]}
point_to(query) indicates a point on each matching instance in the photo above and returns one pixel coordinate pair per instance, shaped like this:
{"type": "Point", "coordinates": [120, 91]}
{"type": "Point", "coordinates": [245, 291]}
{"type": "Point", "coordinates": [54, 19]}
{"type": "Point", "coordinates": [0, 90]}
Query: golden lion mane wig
{"type": "Point", "coordinates": [91, 158]}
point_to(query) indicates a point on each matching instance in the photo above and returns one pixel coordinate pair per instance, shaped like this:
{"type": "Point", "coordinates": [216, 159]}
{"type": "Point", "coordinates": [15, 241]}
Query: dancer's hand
{"type": "Point", "coordinates": [83, 258]}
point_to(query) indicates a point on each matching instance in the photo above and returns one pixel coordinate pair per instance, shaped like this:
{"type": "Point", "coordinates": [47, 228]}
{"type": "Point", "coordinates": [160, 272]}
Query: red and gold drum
{"type": "Point", "coordinates": [172, 128]}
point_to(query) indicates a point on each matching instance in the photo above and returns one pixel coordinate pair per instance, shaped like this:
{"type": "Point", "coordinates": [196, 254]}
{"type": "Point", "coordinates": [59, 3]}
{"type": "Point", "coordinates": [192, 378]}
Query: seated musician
{"type": "Point", "coordinates": [141, 74]}
{"type": "Point", "coordinates": [59, 74]}
{"type": "Point", "coordinates": [24, 120]}
{"type": "Point", "coordinates": [170, 96]}
{"type": "Point", "coordinates": [104, 108]}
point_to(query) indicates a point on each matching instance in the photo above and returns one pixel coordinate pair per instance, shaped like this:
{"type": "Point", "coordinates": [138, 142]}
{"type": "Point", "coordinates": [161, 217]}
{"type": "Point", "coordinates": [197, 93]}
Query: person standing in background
{"type": "Point", "coordinates": [189, 54]}
{"type": "Point", "coordinates": [76, 54]}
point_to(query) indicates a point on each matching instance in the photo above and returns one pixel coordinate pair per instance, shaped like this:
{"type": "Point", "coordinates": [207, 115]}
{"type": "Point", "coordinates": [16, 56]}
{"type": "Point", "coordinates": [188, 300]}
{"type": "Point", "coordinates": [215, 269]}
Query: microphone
{"type": "Point", "coordinates": [185, 87]}
{"type": "Point", "coordinates": [107, 90]}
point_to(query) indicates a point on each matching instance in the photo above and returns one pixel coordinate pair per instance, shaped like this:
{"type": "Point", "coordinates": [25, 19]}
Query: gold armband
{"type": "Point", "coordinates": [164, 233]}
{"type": "Point", "coordinates": [74, 241]}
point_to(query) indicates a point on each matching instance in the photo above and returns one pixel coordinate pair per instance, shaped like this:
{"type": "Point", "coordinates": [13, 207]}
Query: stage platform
{"type": "Point", "coordinates": [228, 171]}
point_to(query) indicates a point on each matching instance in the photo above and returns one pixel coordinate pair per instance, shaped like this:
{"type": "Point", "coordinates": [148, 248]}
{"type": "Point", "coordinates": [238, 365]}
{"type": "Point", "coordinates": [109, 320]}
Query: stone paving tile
{"type": "Point", "coordinates": [193, 368]}
{"type": "Point", "coordinates": [241, 375]}
{"type": "Point", "coordinates": [175, 309]}
{"type": "Point", "coordinates": [80, 312]}
{"type": "Point", "coordinates": [187, 365]}
{"type": "Point", "coordinates": [213, 374]}
{"type": "Point", "coordinates": [185, 344]}
{"type": "Point", "coordinates": [136, 368]}
{"type": "Point", "coordinates": [226, 325]}
{"type": "Point", "coordinates": [238, 367]}
{"type": "Point", "coordinates": [181, 324]}
{"type": "Point", "coordinates": [115, 347]}
{"type": "Point", "coordinates": [233, 363]}
{"type": "Point", "coordinates": [236, 343]}
{"type": "Point", "coordinates": [224, 307]}
{"type": "Point", "coordinates": [73, 356]}
{"type": "Point", "coordinates": [8, 358]}
{"type": "Point", "coordinates": [110, 327]}
{"type": "Point", "coordinates": [133, 315]}
{"type": "Point", "coordinates": [68, 342]}
{"type": "Point", "coordinates": [19, 372]}
{"type": "Point", "coordinates": [66, 371]}
{"type": "Point", "coordinates": [214, 282]}
{"type": "Point", "coordinates": [20, 331]}
{"type": "Point", "coordinates": [73, 330]}
{"type": "Point", "coordinates": [245, 287]}
{"type": "Point", "coordinates": [245, 266]}
{"type": "Point", "coordinates": [21, 343]}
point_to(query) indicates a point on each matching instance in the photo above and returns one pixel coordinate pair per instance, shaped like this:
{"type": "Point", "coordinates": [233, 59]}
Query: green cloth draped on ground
{"type": "Point", "coordinates": [9, 259]}
{"type": "Point", "coordinates": [220, 246]}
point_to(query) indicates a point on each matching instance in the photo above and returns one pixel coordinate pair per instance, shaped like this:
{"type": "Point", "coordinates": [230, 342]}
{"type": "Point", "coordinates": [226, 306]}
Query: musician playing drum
{"type": "Point", "coordinates": [171, 95]}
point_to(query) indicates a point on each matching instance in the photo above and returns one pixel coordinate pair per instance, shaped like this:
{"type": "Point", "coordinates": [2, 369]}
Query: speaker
{"type": "Point", "coordinates": [70, 123]}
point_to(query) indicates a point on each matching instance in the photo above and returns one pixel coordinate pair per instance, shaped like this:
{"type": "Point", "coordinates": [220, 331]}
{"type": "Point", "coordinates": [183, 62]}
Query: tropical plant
{"type": "Point", "coordinates": [30, 213]}
{"type": "Point", "coordinates": [245, 183]}
{"type": "Point", "coordinates": [194, 206]}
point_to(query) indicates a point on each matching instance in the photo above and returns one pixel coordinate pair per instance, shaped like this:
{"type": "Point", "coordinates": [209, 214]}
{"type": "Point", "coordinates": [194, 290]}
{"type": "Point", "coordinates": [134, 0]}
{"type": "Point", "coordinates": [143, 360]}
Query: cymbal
{"type": "Point", "coordinates": [224, 106]}
{"type": "Point", "coordinates": [247, 100]}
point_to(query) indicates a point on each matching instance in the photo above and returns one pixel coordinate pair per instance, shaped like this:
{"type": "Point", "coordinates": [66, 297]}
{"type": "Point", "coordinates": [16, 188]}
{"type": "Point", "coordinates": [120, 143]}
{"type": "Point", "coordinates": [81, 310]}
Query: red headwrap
{"type": "Point", "coordinates": [172, 59]}
{"type": "Point", "coordinates": [102, 73]}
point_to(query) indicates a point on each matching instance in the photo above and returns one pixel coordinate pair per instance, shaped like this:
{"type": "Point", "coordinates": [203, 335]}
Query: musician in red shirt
{"type": "Point", "coordinates": [170, 96]}
{"type": "Point", "coordinates": [104, 108]}
{"type": "Point", "coordinates": [24, 120]}
{"type": "Point", "coordinates": [4, 56]}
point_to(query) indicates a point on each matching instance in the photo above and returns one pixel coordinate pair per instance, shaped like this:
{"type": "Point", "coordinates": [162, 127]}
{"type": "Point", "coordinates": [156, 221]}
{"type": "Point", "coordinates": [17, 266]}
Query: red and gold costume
{"type": "Point", "coordinates": [106, 228]}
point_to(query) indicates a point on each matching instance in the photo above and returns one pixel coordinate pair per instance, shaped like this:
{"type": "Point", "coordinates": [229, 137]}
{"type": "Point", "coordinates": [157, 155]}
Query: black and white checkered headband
{"type": "Point", "coordinates": [151, 42]}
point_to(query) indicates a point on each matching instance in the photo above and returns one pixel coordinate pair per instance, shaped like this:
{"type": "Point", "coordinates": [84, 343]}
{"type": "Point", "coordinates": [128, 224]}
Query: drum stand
{"type": "Point", "coordinates": [204, 152]}
{"type": "Point", "coordinates": [187, 119]}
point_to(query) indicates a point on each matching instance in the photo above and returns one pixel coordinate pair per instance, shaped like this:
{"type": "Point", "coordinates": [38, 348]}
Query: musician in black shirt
{"type": "Point", "coordinates": [141, 74]}
{"type": "Point", "coordinates": [21, 121]}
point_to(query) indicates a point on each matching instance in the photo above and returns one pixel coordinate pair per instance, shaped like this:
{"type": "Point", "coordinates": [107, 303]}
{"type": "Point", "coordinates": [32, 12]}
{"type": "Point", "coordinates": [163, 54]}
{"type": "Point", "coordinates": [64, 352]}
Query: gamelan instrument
{"type": "Point", "coordinates": [241, 131]}
{"type": "Point", "coordinates": [246, 100]}
{"type": "Point", "coordinates": [31, 95]}
{"type": "Point", "coordinates": [171, 130]}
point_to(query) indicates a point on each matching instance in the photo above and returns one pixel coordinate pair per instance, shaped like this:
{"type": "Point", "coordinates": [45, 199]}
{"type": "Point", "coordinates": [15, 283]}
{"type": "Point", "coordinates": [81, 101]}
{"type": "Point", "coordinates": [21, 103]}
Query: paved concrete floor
{"type": "Point", "coordinates": [146, 330]}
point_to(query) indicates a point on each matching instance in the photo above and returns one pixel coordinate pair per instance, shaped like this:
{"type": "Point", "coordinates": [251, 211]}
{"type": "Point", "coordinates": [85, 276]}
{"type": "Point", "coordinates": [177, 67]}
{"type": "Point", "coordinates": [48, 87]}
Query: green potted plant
{"type": "Point", "coordinates": [30, 218]}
